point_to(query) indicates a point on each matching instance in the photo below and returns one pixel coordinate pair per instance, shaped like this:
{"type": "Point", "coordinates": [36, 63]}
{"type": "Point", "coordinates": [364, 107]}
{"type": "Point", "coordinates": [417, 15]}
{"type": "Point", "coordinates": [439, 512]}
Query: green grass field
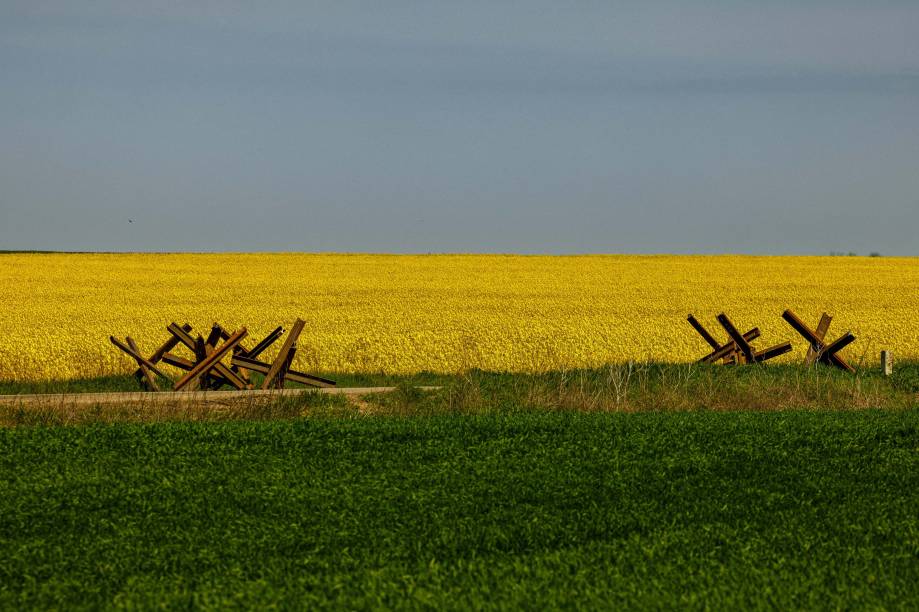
{"type": "Point", "coordinates": [534, 509]}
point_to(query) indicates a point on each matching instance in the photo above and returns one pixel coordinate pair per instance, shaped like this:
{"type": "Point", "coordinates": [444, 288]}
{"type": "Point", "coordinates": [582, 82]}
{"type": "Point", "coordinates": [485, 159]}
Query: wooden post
{"type": "Point", "coordinates": [886, 363]}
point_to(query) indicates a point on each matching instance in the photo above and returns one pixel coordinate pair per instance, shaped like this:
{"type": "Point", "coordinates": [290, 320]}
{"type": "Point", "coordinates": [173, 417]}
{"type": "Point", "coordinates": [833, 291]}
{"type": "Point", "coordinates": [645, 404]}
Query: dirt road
{"type": "Point", "coordinates": [181, 397]}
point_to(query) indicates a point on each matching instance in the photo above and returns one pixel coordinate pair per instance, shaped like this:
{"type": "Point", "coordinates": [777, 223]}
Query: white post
{"type": "Point", "coordinates": [886, 363]}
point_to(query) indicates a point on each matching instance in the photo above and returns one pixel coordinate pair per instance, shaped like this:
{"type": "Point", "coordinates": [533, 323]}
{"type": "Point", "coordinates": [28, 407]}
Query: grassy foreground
{"type": "Point", "coordinates": [616, 388]}
{"type": "Point", "coordinates": [528, 509]}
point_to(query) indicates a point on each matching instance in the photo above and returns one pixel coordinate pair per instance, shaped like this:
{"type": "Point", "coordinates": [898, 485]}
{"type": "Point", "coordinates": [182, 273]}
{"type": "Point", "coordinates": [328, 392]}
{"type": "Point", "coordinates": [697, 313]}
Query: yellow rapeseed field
{"type": "Point", "coordinates": [442, 313]}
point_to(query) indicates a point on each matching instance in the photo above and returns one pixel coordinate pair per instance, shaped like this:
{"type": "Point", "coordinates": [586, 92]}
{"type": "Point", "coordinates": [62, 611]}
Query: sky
{"type": "Point", "coordinates": [737, 126]}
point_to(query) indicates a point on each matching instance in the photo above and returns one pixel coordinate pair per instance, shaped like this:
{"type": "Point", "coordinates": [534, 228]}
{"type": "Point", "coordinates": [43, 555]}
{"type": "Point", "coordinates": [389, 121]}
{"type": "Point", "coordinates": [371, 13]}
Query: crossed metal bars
{"type": "Point", "coordinates": [820, 351]}
{"type": "Point", "coordinates": [208, 371]}
{"type": "Point", "coordinates": [738, 350]}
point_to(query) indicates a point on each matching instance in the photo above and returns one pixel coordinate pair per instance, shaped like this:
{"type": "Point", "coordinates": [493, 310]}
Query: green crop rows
{"type": "Point", "coordinates": [533, 510]}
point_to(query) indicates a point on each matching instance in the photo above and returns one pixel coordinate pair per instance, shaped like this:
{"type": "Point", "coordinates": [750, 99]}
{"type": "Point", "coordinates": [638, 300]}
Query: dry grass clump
{"type": "Point", "coordinates": [635, 387]}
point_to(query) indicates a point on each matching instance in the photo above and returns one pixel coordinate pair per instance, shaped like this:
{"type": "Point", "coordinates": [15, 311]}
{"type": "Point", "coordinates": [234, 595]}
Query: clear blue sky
{"type": "Point", "coordinates": [536, 127]}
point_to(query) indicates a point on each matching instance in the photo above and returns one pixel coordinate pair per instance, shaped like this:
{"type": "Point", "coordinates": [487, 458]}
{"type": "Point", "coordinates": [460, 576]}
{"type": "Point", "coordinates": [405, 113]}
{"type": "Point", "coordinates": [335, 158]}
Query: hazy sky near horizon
{"type": "Point", "coordinates": [747, 126]}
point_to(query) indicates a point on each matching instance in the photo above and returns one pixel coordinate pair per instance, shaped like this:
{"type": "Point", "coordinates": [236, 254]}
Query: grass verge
{"type": "Point", "coordinates": [619, 388]}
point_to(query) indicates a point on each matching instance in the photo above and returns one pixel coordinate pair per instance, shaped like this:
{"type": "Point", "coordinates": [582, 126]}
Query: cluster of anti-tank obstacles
{"type": "Point", "coordinates": [206, 370]}
{"type": "Point", "coordinates": [739, 350]}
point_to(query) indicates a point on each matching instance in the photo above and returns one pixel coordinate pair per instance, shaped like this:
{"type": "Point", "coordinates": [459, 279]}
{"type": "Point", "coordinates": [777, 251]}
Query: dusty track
{"type": "Point", "coordinates": [173, 398]}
